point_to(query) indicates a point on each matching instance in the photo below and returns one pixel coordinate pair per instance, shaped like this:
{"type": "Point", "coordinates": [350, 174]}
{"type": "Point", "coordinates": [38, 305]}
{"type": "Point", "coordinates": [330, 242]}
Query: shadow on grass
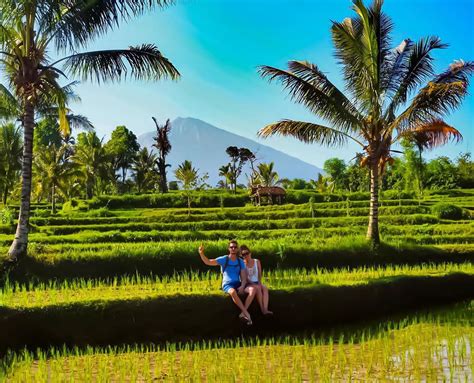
{"type": "Point", "coordinates": [198, 317]}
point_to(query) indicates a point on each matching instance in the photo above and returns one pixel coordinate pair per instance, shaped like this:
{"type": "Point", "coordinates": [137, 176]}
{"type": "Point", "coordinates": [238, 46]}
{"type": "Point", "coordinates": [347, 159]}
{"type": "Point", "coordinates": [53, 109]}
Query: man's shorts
{"type": "Point", "coordinates": [230, 285]}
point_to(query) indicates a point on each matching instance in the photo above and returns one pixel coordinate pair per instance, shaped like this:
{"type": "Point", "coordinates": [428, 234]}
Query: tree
{"type": "Point", "coordinates": [11, 147]}
{"type": "Point", "coordinates": [144, 172]}
{"type": "Point", "coordinates": [32, 32]}
{"type": "Point", "coordinates": [53, 166]}
{"type": "Point", "coordinates": [190, 180]}
{"type": "Point", "coordinates": [336, 169]}
{"type": "Point", "coordinates": [122, 149]}
{"type": "Point", "coordinates": [413, 166]}
{"type": "Point", "coordinates": [379, 82]}
{"type": "Point", "coordinates": [163, 144]}
{"type": "Point", "coordinates": [266, 176]}
{"type": "Point", "coordinates": [465, 170]}
{"type": "Point", "coordinates": [90, 155]}
{"type": "Point", "coordinates": [224, 171]}
{"type": "Point", "coordinates": [442, 174]}
{"type": "Point", "coordinates": [238, 158]}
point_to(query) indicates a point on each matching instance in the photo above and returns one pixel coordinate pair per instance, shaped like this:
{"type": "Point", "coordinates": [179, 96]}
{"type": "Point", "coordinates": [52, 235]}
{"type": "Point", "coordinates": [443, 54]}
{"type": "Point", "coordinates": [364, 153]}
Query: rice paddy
{"type": "Point", "coordinates": [101, 280]}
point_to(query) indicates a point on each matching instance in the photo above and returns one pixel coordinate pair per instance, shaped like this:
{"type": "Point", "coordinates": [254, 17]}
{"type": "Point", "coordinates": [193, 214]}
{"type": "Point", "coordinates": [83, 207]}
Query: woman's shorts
{"type": "Point", "coordinates": [230, 285]}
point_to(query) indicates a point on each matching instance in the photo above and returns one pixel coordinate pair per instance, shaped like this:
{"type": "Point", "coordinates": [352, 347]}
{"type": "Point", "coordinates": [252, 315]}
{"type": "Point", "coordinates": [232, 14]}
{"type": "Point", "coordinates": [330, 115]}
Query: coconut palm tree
{"type": "Point", "coordinates": [52, 164]}
{"type": "Point", "coordinates": [224, 171]}
{"type": "Point", "coordinates": [266, 176]}
{"type": "Point", "coordinates": [33, 31]}
{"type": "Point", "coordinates": [144, 169]}
{"type": "Point", "coordinates": [163, 144]}
{"type": "Point", "coordinates": [390, 93]}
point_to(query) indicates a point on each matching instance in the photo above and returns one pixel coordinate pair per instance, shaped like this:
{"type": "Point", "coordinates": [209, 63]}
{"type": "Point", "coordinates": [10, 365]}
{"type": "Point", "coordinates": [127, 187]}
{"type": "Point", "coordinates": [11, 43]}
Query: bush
{"type": "Point", "coordinates": [447, 211]}
{"type": "Point", "coordinates": [73, 205]}
{"type": "Point", "coordinates": [6, 216]}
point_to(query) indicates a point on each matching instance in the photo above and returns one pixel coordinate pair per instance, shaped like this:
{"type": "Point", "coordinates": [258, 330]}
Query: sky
{"type": "Point", "coordinates": [217, 45]}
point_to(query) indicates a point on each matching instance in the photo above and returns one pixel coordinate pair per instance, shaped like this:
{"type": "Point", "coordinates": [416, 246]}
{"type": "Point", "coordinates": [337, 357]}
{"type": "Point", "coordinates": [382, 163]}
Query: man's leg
{"type": "Point", "coordinates": [235, 297]}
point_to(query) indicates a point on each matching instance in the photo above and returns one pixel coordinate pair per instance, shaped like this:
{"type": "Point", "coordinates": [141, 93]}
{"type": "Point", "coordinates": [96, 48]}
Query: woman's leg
{"type": "Point", "coordinates": [235, 297]}
{"type": "Point", "coordinates": [258, 295]}
{"type": "Point", "coordinates": [252, 292]}
{"type": "Point", "coordinates": [266, 298]}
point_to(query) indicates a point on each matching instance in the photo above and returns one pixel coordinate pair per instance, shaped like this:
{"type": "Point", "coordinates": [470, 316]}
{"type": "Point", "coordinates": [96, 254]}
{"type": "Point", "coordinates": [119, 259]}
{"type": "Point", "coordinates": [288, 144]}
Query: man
{"type": "Point", "coordinates": [234, 278]}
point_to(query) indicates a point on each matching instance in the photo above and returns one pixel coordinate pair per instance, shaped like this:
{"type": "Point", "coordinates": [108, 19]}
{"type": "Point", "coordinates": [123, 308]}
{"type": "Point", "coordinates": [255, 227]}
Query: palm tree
{"type": "Point", "coordinates": [32, 31]}
{"type": "Point", "coordinates": [266, 176]}
{"type": "Point", "coordinates": [89, 154]}
{"type": "Point", "coordinates": [53, 166]}
{"type": "Point", "coordinates": [11, 146]}
{"type": "Point", "coordinates": [144, 169]}
{"type": "Point", "coordinates": [163, 144]}
{"type": "Point", "coordinates": [189, 178]}
{"type": "Point", "coordinates": [225, 171]}
{"type": "Point", "coordinates": [379, 81]}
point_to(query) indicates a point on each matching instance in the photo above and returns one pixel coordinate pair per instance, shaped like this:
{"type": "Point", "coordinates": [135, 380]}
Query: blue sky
{"type": "Point", "coordinates": [217, 46]}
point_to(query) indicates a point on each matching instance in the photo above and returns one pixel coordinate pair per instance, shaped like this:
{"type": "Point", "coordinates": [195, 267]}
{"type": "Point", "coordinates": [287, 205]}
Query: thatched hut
{"type": "Point", "coordinates": [269, 195]}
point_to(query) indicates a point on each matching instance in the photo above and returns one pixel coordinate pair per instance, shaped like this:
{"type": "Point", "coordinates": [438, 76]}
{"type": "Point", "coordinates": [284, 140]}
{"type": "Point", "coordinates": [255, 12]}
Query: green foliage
{"type": "Point", "coordinates": [11, 147]}
{"type": "Point", "coordinates": [336, 169]}
{"type": "Point", "coordinates": [441, 174]}
{"type": "Point", "coordinates": [447, 211]}
{"type": "Point", "coordinates": [7, 216]}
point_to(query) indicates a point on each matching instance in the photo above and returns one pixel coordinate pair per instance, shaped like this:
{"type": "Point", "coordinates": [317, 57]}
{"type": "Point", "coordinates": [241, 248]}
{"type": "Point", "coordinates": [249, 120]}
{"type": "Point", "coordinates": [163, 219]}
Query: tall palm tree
{"type": "Point", "coordinates": [144, 169]}
{"type": "Point", "coordinates": [32, 31]}
{"type": "Point", "coordinates": [11, 146]}
{"type": "Point", "coordinates": [374, 112]}
{"type": "Point", "coordinates": [266, 176]}
{"type": "Point", "coordinates": [163, 144]}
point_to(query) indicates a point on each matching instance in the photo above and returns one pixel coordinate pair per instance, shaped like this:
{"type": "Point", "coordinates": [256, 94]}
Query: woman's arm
{"type": "Point", "coordinates": [207, 261]}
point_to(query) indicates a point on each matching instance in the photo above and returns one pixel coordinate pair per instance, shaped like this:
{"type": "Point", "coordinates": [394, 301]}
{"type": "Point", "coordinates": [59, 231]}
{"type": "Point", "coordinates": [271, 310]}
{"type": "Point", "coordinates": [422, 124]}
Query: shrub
{"type": "Point", "coordinates": [447, 211]}
{"type": "Point", "coordinates": [6, 216]}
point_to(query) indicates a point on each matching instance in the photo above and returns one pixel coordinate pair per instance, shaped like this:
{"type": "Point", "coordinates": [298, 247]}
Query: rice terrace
{"type": "Point", "coordinates": [325, 235]}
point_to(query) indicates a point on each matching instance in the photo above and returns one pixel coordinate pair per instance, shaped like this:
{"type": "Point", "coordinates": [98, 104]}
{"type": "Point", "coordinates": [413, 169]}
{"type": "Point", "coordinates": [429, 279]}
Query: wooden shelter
{"type": "Point", "coordinates": [268, 195]}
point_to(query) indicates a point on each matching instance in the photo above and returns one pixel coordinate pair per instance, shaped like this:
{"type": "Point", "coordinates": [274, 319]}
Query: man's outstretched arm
{"type": "Point", "coordinates": [207, 261]}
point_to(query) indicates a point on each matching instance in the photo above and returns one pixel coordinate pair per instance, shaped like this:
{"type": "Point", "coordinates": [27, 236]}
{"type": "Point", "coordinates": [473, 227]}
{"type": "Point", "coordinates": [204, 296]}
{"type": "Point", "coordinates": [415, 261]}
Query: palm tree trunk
{"type": "Point", "coordinates": [5, 194]}
{"type": "Point", "coordinates": [20, 243]}
{"type": "Point", "coordinates": [373, 229]}
{"type": "Point", "coordinates": [162, 171]}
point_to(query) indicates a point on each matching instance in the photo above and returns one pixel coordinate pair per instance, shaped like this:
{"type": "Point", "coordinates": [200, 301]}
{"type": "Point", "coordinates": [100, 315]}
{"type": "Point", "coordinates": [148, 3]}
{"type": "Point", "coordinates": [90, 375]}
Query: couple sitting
{"type": "Point", "coordinates": [241, 274]}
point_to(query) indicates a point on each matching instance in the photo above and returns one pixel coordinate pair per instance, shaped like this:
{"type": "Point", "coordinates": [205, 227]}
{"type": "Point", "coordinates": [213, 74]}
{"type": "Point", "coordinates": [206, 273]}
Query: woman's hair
{"type": "Point", "coordinates": [244, 247]}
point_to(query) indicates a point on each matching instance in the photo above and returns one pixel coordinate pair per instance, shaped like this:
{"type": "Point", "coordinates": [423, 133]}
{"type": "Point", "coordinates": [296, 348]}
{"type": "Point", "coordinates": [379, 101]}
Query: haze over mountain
{"type": "Point", "coordinates": [205, 145]}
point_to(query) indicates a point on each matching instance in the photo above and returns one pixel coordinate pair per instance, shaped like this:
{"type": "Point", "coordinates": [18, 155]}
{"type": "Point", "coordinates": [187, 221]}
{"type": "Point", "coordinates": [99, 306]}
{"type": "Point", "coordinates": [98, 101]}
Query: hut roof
{"type": "Point", "coordinates": [268, 190]}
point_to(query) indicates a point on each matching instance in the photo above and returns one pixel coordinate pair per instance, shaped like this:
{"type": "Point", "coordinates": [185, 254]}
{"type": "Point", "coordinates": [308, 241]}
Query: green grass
{"type": "Point", "coordinates": [425, 347]}
{"type": "Point", "coordinates": [22, 296]}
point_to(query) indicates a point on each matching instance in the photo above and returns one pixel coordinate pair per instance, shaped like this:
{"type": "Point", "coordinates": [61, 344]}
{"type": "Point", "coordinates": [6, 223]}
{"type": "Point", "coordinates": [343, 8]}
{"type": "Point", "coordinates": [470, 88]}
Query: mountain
{"type": "Point", "coordinates": [204, 145]}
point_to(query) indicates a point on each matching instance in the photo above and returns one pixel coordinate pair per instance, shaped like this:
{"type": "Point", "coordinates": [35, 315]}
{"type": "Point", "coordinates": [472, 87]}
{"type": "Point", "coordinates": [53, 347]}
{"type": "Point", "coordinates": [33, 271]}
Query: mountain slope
{"type": "Point", "coordinates": [205, 146]}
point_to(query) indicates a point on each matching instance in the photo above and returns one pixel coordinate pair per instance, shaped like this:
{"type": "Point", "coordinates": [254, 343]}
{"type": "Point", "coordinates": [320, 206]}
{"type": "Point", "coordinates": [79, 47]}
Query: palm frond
{"type": "Point", "coordinates": [310, 88]}
{"type": "Point", "coordinates": [396, 66]}
{"type": "Point", "coordinates": [77, 121]}
{"type": "Point", "coordinates": [9, 105]}
{"type": "Point", "coordinates": [74, 23]}
{"type": "Point", "coordinates": [432, 134]}
{"type": "Point", "coordinates": [458, 71]}
{"type": "Point", "coordinates": [305, 131]}
{"type": "Point", "coordinates": [432, 102]}
{"type": "Point", "coordinates": [143, 62]}
{"type": "Point", "coordinates": [418, 68]}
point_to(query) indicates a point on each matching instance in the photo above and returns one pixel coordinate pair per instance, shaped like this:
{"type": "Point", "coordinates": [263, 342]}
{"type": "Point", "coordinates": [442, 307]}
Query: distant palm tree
{"type": "Point", "coordinates": [53, 166]}
{"type": "Point", "coordinates": [11, 146]}
{"type": "Point", "coordinates": [188, 176]}
{"type": "Point", "coordinates": [379, 81]}
{"type": "Point", "coordinates": [266, 176]}
{"type": "Point", "coordinates": [163, 144]}
{"type": "Point", "coordinates": [144, 169]}
{"type": "Point", "coordinates": [33, 31]}
{"type": "Point", "coordinates": [224, 171]}
{"type": "Point", "coordinates": [89, 154]}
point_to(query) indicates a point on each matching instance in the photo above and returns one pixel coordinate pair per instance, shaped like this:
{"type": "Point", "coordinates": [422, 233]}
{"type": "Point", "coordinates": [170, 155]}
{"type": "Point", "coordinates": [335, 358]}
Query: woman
{"type": "Point", "coordinates": [254, 278]}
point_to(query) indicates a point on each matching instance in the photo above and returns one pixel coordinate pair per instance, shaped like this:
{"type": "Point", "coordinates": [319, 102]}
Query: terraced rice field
{"type": "Point", "coordinates": [109, 277]}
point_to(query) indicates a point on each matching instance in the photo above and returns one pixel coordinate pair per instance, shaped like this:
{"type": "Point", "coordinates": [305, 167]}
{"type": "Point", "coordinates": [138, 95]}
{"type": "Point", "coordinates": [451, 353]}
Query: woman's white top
{"type": "Point", "coordinates": [253, 272]}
